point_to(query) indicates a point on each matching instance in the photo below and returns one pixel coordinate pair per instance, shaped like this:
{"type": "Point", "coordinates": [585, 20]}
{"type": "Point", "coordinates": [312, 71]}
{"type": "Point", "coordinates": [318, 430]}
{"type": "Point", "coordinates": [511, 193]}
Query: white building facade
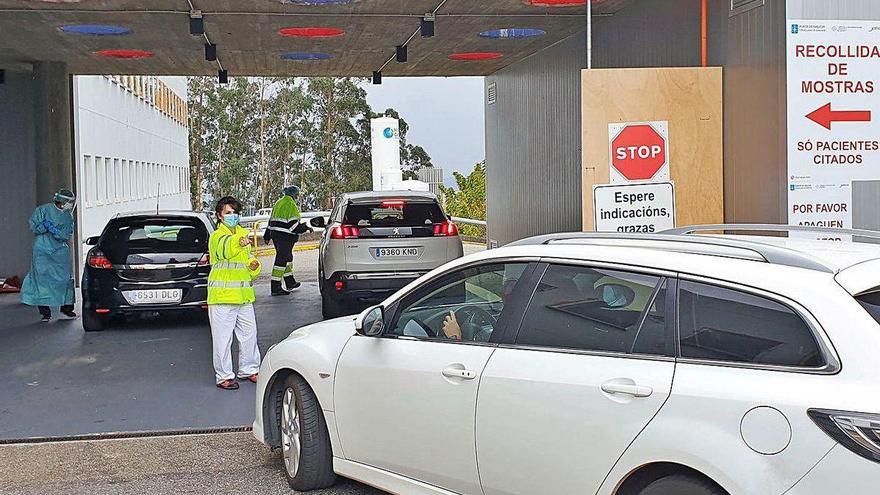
{"type": "Point", "coordinates": [132, 146]}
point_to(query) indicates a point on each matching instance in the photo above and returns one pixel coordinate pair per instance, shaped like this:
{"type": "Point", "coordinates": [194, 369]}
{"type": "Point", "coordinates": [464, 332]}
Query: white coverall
{"type": "Point", "coordinates": [238, 319]}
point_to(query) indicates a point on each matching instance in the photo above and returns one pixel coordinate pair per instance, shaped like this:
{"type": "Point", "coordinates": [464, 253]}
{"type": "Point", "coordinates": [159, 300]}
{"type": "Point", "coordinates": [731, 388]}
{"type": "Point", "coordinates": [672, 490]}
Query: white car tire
{"type": "Point", "coordinates": [682, 485]}
{"type": "Point", "coordinates": [305, 443]}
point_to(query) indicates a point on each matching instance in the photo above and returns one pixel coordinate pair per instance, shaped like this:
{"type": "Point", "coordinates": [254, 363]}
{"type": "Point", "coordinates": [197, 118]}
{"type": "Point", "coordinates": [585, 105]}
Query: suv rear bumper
{"type": "Point", "coordinates": [368, 286]}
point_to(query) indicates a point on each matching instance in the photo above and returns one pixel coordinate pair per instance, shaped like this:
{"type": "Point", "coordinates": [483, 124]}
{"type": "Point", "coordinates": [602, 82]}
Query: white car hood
{"type": "Point", "coordinates": [330, 332]}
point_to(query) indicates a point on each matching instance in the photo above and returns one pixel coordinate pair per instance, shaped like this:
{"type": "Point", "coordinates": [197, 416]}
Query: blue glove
{"type": "Point", "coordinates": [51, 227]}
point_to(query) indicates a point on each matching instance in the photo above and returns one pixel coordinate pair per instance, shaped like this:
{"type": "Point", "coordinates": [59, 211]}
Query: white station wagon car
{"type": "Point", "coordinates": [672, 364]}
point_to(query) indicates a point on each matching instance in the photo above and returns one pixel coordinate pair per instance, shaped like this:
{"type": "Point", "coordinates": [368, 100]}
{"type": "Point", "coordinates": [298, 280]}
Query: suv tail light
{"type": "Point", "coordinates": [344, 232]}
{"type": "Point", "coordinates": [98, 260]}
{"type": "Point", "coordinates": [858, 432]}
{"type": "Point", "coordinates": [445, 229]}
{"type": "Point", "coordinates": [205, 261]}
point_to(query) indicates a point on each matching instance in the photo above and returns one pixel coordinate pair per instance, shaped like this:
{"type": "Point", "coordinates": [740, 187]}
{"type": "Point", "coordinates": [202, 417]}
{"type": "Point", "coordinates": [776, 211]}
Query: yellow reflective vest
{"type": "Point", "coordinates": [231, 280]}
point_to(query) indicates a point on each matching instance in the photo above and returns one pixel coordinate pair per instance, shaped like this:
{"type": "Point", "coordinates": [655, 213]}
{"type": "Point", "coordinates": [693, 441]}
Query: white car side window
{"type": "Point", "coordinates": [463, 306]}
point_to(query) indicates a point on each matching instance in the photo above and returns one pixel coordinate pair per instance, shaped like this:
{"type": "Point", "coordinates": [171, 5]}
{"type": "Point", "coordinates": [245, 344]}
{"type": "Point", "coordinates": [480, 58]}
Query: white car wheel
{"type": "Point", "coordinates": [305, 442]}
{"type": "Point", "coordinates": [291, 446]}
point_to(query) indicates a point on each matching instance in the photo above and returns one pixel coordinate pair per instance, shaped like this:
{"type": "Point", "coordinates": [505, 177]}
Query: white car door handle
{"type": "Point", "coordinates": [627, 389]}
{"type": "Point", "coordinates": [459, 373]}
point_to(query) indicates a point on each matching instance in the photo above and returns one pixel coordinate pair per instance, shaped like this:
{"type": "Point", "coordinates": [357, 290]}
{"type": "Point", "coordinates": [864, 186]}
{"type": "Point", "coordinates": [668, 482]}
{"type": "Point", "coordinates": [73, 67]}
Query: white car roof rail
{"type": "Point", "coordinates": [730, 248]}
{"type": "Point", "coordinates": [767, 227]}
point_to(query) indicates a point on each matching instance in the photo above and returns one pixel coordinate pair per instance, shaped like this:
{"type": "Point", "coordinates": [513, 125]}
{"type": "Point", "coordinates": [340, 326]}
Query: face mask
{"type": "Point", "coordinates": [68, 206]}
{"type": "Point", "coordinates": [231, 220]}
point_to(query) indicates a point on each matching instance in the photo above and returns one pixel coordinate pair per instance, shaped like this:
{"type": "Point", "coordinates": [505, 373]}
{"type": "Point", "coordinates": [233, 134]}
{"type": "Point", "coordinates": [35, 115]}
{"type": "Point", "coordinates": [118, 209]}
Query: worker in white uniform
{"type": "Point", "coordinates": [231, 296]}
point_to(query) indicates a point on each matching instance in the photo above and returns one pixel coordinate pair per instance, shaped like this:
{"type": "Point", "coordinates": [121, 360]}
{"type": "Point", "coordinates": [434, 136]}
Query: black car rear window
{"type": "Point", "coordinates": [157, 235]}
{"type": "Point", "coordinates": [393, 213]}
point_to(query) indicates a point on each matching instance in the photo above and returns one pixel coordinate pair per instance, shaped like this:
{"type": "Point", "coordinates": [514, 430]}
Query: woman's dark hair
{"type": "Point", "coordinates": [228, 200]}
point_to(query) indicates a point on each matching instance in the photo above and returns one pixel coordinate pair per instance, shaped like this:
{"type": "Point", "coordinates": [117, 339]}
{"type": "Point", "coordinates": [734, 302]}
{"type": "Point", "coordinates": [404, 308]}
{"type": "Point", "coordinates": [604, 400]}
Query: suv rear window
{"type": "Point", "coordinates": [393, 213]}
{"type": "Point", "coordinates": [178, 235]}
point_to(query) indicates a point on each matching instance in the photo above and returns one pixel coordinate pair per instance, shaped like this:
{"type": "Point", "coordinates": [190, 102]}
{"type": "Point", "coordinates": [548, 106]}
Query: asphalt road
{"type": "Point", "coordinates": [195, 464]}
{"type": "Point", "coordinates": [149, 374]}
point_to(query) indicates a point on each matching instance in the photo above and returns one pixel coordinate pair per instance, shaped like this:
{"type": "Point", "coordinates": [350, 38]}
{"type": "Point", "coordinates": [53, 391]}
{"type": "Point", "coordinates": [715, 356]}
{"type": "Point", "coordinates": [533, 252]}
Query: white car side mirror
{"type": "Point", "coordinates": [371, 322]}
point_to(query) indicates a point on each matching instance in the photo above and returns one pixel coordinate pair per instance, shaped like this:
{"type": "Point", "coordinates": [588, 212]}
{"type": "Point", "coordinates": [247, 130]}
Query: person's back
{"type": "Point", "coordinates": [283, 230]}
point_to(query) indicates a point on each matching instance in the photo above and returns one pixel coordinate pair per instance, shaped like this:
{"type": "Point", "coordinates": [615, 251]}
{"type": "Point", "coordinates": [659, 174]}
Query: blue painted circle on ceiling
{"type": "Point", "coordinates": [305, 56]}
{"type": "Point", "coordinates": [513, 33]}
{"type": "Point", "coordinates": [96, 29]}
{"type": "Point", "coordinates": [388, 132]}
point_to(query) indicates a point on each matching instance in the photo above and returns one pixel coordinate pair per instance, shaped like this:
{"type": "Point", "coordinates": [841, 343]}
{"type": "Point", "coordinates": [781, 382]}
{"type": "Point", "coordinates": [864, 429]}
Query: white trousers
{"type": "Point", "coordinates": [226, 320]}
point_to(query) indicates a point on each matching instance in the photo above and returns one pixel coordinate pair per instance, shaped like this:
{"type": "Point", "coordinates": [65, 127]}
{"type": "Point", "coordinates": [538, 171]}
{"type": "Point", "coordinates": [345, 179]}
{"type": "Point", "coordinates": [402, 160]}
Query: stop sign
{"type": "Point", "coordinates": [638, 152]}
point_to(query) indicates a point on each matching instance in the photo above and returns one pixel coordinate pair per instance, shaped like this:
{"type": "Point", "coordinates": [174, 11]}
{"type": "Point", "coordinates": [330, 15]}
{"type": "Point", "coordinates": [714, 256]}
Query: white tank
{"type": "Point", "coordinates": [385, 138]}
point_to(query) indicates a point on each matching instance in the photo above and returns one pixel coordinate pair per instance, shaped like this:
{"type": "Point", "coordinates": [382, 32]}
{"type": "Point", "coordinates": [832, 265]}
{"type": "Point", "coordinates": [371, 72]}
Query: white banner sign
{"type": "Point", "coordinates": [833, 133]}
{"type": "Point", "coordinates": [644, 208]}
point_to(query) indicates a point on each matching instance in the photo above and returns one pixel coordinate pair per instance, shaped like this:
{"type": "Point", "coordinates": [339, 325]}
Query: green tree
{"type": "Point", "coordinates": [253, 136]}
{"type": "Point", "coordinates": [469, 200]}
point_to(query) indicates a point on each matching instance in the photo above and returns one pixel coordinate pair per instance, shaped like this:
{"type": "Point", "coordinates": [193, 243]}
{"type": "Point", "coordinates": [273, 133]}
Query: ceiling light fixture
{"type": "Point", "coordinates": [401, 54]}
{"type": "Point", "coordinates": [427, 27]}
{"type": "Point", "coordinates": [196, 23]}
{"type": "Point", "coordinates": [210, 52]}
{"type": "Point", "coordinates": [377, 77]}
{"type": "Point", "coordinates": [223, 76]}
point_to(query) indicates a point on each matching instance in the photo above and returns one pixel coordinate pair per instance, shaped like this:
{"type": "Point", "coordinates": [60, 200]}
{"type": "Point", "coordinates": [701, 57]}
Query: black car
{"type": "Point", "coordinates": [146, 262]}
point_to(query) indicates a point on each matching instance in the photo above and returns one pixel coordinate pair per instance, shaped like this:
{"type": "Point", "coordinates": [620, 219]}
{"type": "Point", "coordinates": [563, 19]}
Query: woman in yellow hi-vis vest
{"type": "Point", "coordinates": [231, 296]}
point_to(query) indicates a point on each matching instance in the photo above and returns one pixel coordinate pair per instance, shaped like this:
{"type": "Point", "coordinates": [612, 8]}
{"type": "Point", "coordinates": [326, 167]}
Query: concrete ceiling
{"type": "Point", "coordinates": [246, 32]}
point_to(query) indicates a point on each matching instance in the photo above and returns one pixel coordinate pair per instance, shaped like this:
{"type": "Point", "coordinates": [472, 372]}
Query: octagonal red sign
{"type": "Point", "coordinates": [638, 152]}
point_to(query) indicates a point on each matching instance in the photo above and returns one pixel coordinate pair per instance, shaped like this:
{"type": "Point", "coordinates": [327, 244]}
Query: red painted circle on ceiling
{"type": "Point", "coordinates": [310, 32]}
{"type": "Point", "coordinates": [125, 53]}
{"type": "Point", "coordinates": [556, 3]}
{"type": "Point", "coordinates": [476, 56]}
{"type": "Point", "coordinates": [638, 152]}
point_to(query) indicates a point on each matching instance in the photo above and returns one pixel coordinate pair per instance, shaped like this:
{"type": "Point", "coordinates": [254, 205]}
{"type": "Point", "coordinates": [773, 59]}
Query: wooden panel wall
{"type": "Point", "coordinates": [690, 99]}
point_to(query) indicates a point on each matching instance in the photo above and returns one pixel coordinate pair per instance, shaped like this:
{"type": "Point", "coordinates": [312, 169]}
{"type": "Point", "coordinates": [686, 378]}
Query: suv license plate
{"type": "Point", "coordinates": [396, 252]}
{"type": "Point", "coordinates": [157, 296]}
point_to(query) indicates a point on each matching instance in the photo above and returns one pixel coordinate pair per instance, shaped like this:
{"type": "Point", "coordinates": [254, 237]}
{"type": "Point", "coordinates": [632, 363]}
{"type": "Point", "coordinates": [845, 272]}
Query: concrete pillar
{"type": "Point", "coordinates": [18, 171]}
{"type": "Point", "coordinates": [53, 136]}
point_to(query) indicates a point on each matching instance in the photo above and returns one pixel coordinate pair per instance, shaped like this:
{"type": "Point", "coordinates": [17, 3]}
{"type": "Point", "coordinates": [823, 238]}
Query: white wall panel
{"type": "Point", "coordinates": [127, 148]}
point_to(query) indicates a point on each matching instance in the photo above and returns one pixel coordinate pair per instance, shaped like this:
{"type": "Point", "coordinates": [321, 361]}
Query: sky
{"type": "Point", "coordinates": [445, 116]}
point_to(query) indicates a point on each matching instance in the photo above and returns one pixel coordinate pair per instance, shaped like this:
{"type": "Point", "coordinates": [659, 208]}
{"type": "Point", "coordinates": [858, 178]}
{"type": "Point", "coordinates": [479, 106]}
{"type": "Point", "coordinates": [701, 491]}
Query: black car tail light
{"type": "Point", "coordinates": [205, 260]}
{"type": "Point", "coordinates": [98, 260]}
{"type": "Point", "coordinates": [858, 432]}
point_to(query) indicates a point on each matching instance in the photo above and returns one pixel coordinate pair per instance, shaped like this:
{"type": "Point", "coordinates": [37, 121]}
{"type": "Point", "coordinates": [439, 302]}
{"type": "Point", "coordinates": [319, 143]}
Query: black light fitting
{"type": "Point", "coordinates": [377, 77]}
{"type": "Point", "coordinates": [223, 76]}
{"type": "Point", "coordinates": [2, 76]}
{"type": "Point", "coordinates": [401, 53]}
{"type": "Point", "coordinates": [427, 27]}
{"type": "Point", "coordinates": [196, 23]}
{"type": "Point", "coordinates": [210, 52]}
